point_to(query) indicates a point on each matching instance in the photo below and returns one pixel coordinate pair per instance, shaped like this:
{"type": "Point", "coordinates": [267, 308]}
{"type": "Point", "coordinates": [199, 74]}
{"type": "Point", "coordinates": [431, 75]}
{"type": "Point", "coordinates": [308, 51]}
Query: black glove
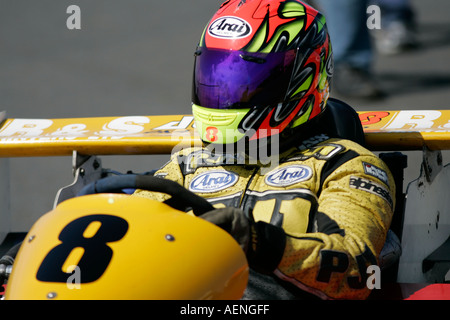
{"type": "Point", "coordinates": [262, 243]}
{"type": "Point", "coordinates": [233, 221]}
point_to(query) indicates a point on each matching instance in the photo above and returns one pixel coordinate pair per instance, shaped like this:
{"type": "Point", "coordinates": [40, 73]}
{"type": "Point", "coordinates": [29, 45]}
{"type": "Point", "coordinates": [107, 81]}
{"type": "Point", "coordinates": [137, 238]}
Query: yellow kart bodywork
{"type": "Point", "coordinates": [139, 248]}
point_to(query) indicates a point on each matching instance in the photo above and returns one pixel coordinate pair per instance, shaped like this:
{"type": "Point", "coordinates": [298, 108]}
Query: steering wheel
{"type": "Point", "coordinates": [181, 198]}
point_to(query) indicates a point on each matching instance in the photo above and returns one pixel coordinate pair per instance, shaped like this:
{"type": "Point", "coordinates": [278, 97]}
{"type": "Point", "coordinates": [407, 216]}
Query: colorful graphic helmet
{"type": "Point", "coordinates": [262, 67]}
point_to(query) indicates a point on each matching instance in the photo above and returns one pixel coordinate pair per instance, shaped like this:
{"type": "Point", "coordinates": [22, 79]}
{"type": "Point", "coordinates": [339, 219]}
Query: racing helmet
{"type": "Point", "coordinates": [262, 68]}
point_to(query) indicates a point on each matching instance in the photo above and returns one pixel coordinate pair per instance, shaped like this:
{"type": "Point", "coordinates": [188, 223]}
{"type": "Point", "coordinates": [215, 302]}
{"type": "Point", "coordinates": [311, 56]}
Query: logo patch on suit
{"type": "Point", "coordinates": [212, 181]}
{"type": "Point", "coordinates": [376, 172]}
{"type": "Point", "coordinates": [288, 175]}
{"type": "Point", "coordinates": [371, 187]}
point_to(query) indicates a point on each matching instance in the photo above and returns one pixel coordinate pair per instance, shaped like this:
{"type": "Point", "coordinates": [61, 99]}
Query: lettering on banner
{"type": "Point", "coordinates": [184, 123]}
{"type": "Point", "coordinates": [23, 128]}
{"type": "Point", "coordinates": [368, 118]}
{"type": "Point", "coordinates": [414, 119]}
{"type": "Point", "coordinates": [124, 126]}
{"type": "Point", "coordinates": [420, 120]}
{"type": "Point", "coordinates": [41, 129]}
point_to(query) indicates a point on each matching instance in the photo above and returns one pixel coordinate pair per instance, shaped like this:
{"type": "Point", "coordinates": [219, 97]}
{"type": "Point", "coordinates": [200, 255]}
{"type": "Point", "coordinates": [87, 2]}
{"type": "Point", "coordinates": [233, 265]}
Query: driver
{"type": "Point", "coordinates": [311, 210]}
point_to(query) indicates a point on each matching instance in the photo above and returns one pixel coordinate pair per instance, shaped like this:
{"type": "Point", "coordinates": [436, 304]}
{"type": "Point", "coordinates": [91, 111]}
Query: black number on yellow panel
{"type": "Point", "coordinates": [96, 253]}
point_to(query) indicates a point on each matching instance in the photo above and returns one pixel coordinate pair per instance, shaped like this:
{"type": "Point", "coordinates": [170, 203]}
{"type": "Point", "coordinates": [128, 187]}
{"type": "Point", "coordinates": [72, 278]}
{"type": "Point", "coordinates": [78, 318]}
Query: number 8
{"type": "Point", "coordinates": [97, 254]}
{"type": "Point", "coordinates": [211, 134]}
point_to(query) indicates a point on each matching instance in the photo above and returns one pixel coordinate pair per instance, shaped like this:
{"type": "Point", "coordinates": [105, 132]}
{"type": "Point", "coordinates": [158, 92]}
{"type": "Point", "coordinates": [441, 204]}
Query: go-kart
{"type": "Point", "coordinates": [97, 230]}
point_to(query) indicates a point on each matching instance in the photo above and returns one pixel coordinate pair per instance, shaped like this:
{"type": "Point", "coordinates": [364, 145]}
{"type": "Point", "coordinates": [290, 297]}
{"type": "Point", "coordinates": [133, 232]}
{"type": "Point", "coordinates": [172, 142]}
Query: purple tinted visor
{"type": "Point", "coordinates": [225, 79]}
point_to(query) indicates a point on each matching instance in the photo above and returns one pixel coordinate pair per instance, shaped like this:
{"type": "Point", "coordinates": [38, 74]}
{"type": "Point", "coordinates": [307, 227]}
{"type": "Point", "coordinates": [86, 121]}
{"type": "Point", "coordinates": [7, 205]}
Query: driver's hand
{"type": "Point", "coordinates": [233, 221]}
{"type": "Point", "coordinates": [262, 242]}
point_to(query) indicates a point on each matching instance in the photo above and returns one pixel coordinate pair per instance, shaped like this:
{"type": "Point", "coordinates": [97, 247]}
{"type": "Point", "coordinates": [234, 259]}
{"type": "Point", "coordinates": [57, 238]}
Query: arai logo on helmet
{"type": "Point", "coordinates": [213, 181]}
{"type": "Point", "coordinates": [229, 28]}
{"type": "Point", "coordinates": [289, 175]}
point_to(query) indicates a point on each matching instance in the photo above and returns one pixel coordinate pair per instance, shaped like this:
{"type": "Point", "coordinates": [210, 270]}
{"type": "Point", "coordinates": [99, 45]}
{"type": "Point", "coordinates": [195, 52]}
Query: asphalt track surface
{"type": "Point", "coordinates": [135, 57]}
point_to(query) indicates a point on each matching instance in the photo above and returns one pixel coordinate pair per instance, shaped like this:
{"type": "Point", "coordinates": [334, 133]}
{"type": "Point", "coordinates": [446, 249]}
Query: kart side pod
{"type": "Point", "coordinates": [115, 246]}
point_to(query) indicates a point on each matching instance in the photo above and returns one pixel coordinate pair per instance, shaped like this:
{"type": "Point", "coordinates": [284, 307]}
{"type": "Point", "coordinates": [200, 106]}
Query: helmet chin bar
{"type": "Point", "coordinates": [263, 151]}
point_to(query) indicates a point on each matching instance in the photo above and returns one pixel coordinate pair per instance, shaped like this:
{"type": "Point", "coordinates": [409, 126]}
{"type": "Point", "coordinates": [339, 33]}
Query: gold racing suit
{"type": "Point", "coordinates": [333, 198]}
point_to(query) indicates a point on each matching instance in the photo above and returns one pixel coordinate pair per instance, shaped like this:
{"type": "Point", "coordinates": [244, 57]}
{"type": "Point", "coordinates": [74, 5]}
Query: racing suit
{"type": "Point", "coordinates": [333, 198]}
